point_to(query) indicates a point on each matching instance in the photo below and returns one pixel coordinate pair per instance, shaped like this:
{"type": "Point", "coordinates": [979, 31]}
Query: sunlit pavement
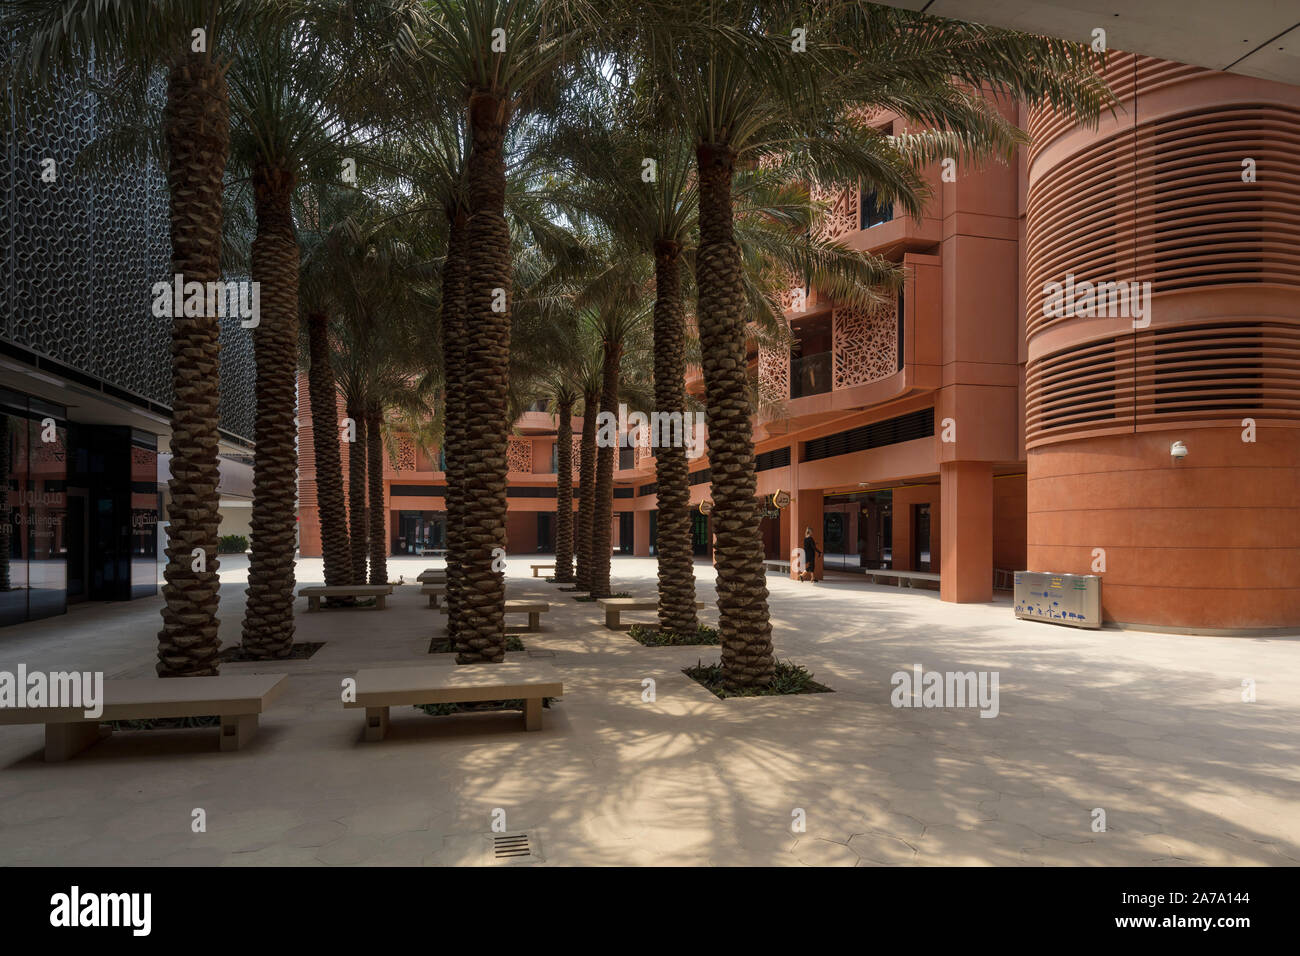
{"type": "Point", "coordinates": [1150, 728]}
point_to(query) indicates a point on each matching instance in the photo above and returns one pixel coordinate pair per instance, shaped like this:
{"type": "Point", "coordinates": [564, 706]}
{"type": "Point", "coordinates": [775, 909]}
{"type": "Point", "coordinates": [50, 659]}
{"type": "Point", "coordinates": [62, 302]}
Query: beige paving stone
{"type": "Point", "coordinates": [817, 852]}
{"type": "Point", "coordinates": [1148, 726]}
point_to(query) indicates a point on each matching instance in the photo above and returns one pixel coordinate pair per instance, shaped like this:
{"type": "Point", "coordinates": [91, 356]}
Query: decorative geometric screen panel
{"type": "Point", "coordinates": [520, 455]}
{"type": "Point", "coordinates": [774, 374]}
{"type": "Point", "coordinates": [405, 455]}
{"type": "Point", "coordinates": [841, 217]}
{"type": "Point", "coordinates": [81, 254]}
{"type": "Point", "coordinates": [787, 284]}
{"type": "Point", "coordinates": [864, 343]}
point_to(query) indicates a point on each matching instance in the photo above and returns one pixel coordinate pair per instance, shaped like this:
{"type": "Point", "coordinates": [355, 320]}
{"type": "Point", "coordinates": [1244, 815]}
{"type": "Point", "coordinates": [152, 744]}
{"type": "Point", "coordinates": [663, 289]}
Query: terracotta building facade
{"type": "Point", "coordinates": [1015, 407]}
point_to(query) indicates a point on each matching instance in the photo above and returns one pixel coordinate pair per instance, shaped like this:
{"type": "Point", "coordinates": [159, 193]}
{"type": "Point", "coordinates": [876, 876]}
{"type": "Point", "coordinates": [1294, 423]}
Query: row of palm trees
{"type": "Point", "coordinates": [505, 140]}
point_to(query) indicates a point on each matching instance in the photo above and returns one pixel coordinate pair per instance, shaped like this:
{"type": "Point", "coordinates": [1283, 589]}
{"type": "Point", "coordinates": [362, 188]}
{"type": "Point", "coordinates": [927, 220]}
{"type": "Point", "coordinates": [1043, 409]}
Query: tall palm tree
{"type": "Point", "coordinates": [585, 553]}
{"type": "Point", "coordinates": [505, 55]}
{"type": "Point", "coordinates": [75, 36]}
{"type": "Point", "coordinates": [604, 147]}
{"type": "Point", "coordinates": [323, 395]}
{"type": "Point", "coordinates": [616, 301]}
{"type": "Point", "coordinates": [726, 69]}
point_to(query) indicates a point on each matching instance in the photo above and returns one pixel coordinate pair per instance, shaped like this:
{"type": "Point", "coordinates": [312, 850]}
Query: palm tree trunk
{"type": "Point", "coordinates": [330, 507]}
{"type": "Point", "coordinates": [487, 373]}
{"type": "Point", "coordinates": [673, 536]}
{"type": "Point", "coordinates": [268, 615]}
{"type": "Point", "coordinates": [564, 491]}
{"type": "Point", "coordinates": [375, 476]}
{"type": "Point", "coordinates": [455, 277]}
{"type": "Point", "coordinates": [602, 515]}
{"type": "Point", "coordinates": [359, 535]}
{"type": "Point", "coordinates": [744, 626]}
{"type": "Point", "coordinates": [586, 487]}
{"type": "Point", "coordinates": [196, 128]}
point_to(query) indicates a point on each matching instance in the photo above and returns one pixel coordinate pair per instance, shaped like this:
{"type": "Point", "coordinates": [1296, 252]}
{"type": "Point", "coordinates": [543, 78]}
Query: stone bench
{"type": "Point", "coordinates": [432, 576]}
{"type": "Point", "coordinates": [534, 610]}
{"type": "Point", "coordinates": [237, 699]}
{"type": "Point", "coordinates": [379, 592]}
{"type": "Point", "coordinates": [903, 578]}
{"type": "Point", "coordinates": [433, 592]}
{"type": "Point", "coordinates": [773, 564]}
{"type": "Point", "coordinates": [614, 607]}
{"type": "Point", "coordinates": [541, 567]}
{"type": "Point", "coordinates": [381, 688]}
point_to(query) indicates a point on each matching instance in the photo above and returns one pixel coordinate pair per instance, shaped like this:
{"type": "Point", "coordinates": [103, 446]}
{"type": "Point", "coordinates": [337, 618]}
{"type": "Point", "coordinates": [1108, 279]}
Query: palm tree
{"type": "Point", "coordinates": [53, 36]}
{"type": "Point", "coordinates": [586, 554]}
{"type": "Point", "coordinates": [505, 56]}
{"type": "Point", "coordinates": [604, 148]}
{"type": "Point", "coordinates": [727, 70]}
{"type": "Point", "coordinates": [616, 303]}
{"type": "Point", "coordinates": [323, 394]}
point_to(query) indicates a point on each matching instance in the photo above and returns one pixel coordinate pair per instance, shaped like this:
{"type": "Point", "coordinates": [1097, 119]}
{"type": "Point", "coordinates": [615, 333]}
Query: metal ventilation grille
{"type": "Point", "coordinates": [1209, 373]}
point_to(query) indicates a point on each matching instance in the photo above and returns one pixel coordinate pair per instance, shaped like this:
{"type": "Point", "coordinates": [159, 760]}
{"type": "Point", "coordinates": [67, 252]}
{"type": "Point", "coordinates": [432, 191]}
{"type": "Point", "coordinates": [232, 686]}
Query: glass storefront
{"type": "Point", "coordinates": [33, 542]}
{"type": "Point", "coordinates": [858, 530]}
{"type": "Point", "coordinates": [419, 531]}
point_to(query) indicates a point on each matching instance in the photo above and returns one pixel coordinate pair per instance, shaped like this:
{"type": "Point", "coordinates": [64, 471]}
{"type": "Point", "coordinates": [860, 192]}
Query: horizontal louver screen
{"type": "Point", "coordinates": [778, 458]}
{"type": "Point", "coordinates": [1202, 373]}
{"type": "Point", "coordinates": [891, 431]}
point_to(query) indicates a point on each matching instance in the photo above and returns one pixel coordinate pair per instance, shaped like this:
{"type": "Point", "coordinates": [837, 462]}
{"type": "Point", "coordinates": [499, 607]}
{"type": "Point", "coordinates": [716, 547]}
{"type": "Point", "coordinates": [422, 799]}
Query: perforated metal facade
{"type": "Point", "coordinates": [80, 255]}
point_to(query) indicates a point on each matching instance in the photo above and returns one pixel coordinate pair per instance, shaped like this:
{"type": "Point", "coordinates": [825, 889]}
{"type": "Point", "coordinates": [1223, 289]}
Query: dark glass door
{"type": "Point", "coordinates": [626, 532]}
{"type": "Point", "coordinates": [921, 537]}
{"type": "Point", "coordinates": [75, 539]}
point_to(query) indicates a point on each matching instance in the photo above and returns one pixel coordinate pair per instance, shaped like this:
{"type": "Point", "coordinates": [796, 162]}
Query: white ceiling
{"type": "Point", "coordinates": [1253, 37]}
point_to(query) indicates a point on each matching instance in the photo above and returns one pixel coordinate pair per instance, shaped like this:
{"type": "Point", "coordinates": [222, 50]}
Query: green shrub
{"type": "Point", "coordinates": [652, 636]}
{"type": "Point", "coordinates": [232, 544]}
{"type": "Point", "coordinates": [788, 678]}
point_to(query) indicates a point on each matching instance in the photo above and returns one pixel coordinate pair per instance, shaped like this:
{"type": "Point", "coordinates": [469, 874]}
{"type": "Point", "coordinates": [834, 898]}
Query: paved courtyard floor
{"type": "Point", "coordinates": [1151, 728]}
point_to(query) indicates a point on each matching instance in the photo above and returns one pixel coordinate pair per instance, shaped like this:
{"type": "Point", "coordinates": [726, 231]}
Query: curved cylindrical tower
{"type": "Point", "coordinates": [1192, 187]}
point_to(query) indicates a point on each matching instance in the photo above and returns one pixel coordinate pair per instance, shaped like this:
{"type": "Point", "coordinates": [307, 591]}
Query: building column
{"type": "Point", "coordinates": [641, 533]}
{"type": "Point", "coordinates": [966, 531]}
{"type": "Point", "coordinates": [805, 511]}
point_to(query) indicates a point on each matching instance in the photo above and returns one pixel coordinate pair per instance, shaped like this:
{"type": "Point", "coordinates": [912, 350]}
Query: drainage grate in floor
{"type": "Point", "coordinates": [507, 846]}
{"type": "Point", "coordinates": [520, 847]}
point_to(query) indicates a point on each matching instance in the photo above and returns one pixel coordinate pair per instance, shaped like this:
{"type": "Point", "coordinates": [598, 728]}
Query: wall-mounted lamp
{"type": "Point", "coordinates": [1178, 451]}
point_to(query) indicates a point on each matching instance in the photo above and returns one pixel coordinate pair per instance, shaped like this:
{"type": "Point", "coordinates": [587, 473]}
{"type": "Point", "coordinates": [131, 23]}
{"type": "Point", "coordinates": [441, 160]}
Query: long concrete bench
{"type": "Point", "coordinates": [541, 567]}
{"type": "Point", "coordinates": [614, 607]}
{"type": "Point", "coordinates": [772, 564]}
{"type": "Point", "coordinates": [237, 699]}
{"type": "Point", "coordinates": [904, 578]}
{"type": "Point", "coordinates": [432, 576]}
{"type": "Point", "coordinates": [381, 688]}
{"type": "Point", "coordinates": [534, 610]}
{"type": "Point", "coordinates": [379, 592]}
{"type": "Point", "coordinates": [433, 592]}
